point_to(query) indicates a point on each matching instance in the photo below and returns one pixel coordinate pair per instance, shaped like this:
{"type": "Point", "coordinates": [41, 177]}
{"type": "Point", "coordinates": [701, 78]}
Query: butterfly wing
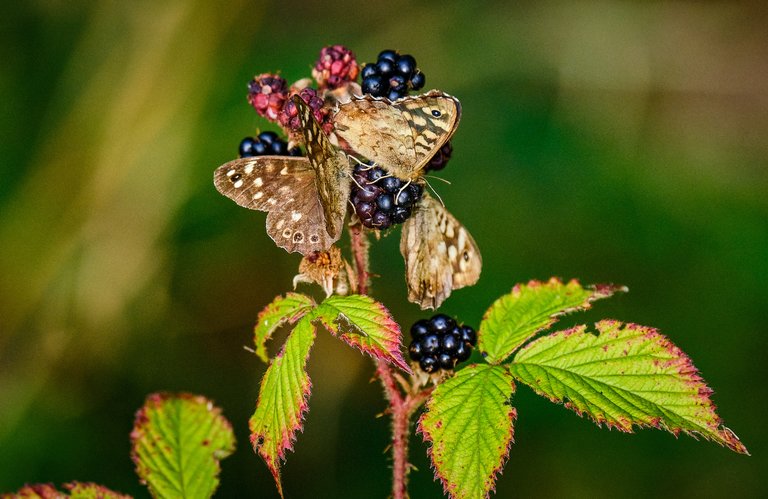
{"type": "Point", "coordinates": [440, 254]}
{"type": "Point", "coordinates": [331, 166]}
{"type": "Point", "coordinates": [285, 187]}
{"type": "Point", "coordinates": [400, 136]}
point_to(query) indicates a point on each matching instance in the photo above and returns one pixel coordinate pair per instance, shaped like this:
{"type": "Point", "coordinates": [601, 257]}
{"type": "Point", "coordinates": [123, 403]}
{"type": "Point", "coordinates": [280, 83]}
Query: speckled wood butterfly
{"type": "Point", "coordinates": [440, 254]}
{"type": "Point", "coordinates": [306, 197]}
{"type": "Point", "coordinates": [400, 136]}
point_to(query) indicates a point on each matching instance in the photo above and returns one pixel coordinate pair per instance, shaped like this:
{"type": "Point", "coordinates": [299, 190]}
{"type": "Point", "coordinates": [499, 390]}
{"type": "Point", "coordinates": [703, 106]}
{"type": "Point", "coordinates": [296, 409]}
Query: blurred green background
{"type": "Point", "coordinates": [611, 141]}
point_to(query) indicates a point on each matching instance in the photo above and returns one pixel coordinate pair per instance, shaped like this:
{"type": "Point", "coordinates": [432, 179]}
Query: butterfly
{"type": "Point", "coordinates": [305, 197]}
{"type": "Point", "coordinates": [400, 136]}
{"type": "Point", "coordinates": [440, 254]}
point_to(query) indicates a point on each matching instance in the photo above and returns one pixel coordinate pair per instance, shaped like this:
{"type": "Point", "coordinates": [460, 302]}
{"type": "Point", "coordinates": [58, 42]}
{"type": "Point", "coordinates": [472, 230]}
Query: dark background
{"type": "Point", "coordinates": [610, 141]}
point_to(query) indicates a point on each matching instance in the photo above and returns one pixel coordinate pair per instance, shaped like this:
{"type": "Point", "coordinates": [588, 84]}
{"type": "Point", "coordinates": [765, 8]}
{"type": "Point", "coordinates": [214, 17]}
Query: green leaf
{"type": "Point", "coordinates": [177, 443]}
{"type": "Point", "coordinates": [530, 308]}
{"type": "Point", "coordinates": [469, 422]}
{"type": "Point", "coordinates": [289, 308]}
{"type": "Point", "coordinates": [624, 375]}
{"type": "Point", "coordinates": [365, 324]}
{"type": "Point", "coordinates": [283, 399]}
{"type": "Point", "coordinates": [77, 490]}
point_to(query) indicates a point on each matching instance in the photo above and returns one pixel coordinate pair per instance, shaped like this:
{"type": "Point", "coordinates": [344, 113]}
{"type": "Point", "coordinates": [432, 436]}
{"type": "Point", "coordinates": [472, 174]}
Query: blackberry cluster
{"type": "Point", "coordinates": [267, 94]}
{"type": "Point", "coordinates": [380, 200]}
{"type": "Point", "coordinates": [439, 343]}
{"type": "Point", "coordinates": [266, 144]}
{"type": "Point", "coordinates": [336, 67]}
{"type": "Point", "coordinates": [392, 75]}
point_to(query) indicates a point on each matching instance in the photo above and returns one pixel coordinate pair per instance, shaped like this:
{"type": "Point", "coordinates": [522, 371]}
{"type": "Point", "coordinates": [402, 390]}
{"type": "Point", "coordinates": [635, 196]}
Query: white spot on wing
{"type": "Point", "coordinates": [258, 195]}
{"type": "Point", "coordinates": [238, 184]}
{"type": "Point", "coordinates": [249, 168]}
{"type": "Point", "coordinates": [257, 181]}
{"type": "Point", "coordinates": [295, 216]}
{"type": "Point", "coordinates": [284, 171]}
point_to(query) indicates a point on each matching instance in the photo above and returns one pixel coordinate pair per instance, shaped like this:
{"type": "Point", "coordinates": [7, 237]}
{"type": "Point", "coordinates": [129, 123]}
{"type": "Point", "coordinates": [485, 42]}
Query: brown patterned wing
{"type": "Point", "coordinates": [400, 136]}
{"type": "Point", "coordinates": [440, 254]}
{"type": "Point", "coordinates": [331, 166]}
{"type": "Point", "coordinates": [285, 187]}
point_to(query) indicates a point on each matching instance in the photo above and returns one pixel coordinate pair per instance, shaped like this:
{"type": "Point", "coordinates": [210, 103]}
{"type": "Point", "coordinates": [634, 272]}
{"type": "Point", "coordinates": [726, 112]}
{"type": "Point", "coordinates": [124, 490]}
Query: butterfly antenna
{"type": "Point", "coordinates": [434, 191]}
{"type": "Point", "coordinates": [439, 178]}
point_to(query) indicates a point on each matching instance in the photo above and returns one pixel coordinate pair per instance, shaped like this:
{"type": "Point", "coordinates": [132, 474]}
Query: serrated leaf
{"type": "Point", "coordinates": [283, 399]}
{"type": "Point", "coordinates": [469, 422]}
{"type": "Point", "coordinates": [77, 490]}
{"type": "Point", "coordinates": [530, 308]}
{"type": "Point", "coordinates": [177, 442]}
{"type": "Point", "coordinates": [283, 309]}
{"type": "Point", "coordinates": [365, 324]}
{"type": "Point", "coordinates": [80, 490]}
{"type": "Point", "coordinates": [624, 375]}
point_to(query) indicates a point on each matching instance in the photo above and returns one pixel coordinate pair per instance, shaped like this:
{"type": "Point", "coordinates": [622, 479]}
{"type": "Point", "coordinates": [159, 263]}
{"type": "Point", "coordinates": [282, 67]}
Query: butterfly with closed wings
{"type": "Point", "coordinates": [440, 254]}
{"type": "Point", "coordinates": [305, 197]}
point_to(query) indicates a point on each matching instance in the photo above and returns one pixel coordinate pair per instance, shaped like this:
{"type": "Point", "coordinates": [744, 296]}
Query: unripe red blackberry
{"type": "Point", "coordinates": [289, 114]}
{"type": "Point", "coordinates": [266, 144]}
{"type": "Point", "coordinates": [267, 94]}
{"type": "Point", "coordinates": [439, 343]}
{"type": "Point", "coordinates": [336, 67]}
{"type": "Point", "coordinates": [380, 200]}
{"type": "Point", "coordinates": [391, 76]}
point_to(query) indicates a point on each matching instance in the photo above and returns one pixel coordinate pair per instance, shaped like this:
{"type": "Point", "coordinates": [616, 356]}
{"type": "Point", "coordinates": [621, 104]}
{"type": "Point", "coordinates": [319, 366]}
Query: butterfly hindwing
{"type": "Point", "coordinates": [440, 254]}
{"type": "Point", "coordinates": [400, 136]}
{"type": "Point", "coordinates": [285, 187]}
{"type": "Point", "coordinates": [331, 168]}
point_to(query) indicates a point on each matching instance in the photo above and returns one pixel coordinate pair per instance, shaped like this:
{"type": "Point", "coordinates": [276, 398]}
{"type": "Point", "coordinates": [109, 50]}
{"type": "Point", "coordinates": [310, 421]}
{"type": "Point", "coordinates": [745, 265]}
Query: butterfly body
{"type": "Point", "coordinates": [305, 197]}
{"type": "Point", "coordinates": [400, 136]}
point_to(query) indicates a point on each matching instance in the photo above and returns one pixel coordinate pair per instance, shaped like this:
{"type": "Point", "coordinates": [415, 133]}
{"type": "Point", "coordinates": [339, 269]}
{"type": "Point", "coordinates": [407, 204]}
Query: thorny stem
{"type": "Point", "coordinates": [401, 406]}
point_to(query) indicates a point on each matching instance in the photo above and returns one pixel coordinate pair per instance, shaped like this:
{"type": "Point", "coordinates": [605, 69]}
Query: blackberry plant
{"type": "Point", "coordinates": [621, 375]}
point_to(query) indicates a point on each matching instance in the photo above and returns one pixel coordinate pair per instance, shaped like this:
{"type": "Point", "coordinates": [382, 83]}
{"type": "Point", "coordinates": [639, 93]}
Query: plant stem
{"type": "Point", "coordinates": [402, 404]}
{"type": "Point", "coordinates": [399, 407]}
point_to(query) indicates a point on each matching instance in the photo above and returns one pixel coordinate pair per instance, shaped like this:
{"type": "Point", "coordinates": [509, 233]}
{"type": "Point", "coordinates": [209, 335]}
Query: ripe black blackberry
{"type": "Point", "coordinates": [266, 144]}
{"type": "Point", "coordinates": [439, 343]}
{"type": "Point", "coordinates": [440, 159]}
{"type": "Point", "coordinates": [380, 200]}
{"type": "Point", "coordinates": [392, 75]}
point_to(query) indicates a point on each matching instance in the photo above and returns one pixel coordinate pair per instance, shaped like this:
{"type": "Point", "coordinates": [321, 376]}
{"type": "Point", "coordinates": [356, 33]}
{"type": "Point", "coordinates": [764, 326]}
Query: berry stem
{"type": "Point", "coordinates": [400, 407]}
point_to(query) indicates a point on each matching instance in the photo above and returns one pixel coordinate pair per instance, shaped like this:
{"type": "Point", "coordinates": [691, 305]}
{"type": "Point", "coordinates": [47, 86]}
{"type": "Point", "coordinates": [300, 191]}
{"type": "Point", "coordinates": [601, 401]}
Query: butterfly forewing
{"type": "Point", "coordinates": [440, 254]}
{"type": "Point", "coordinates": [332, 169]}
{"type": "Point", "coordinates": [284, 187]}
{"type": "Point", "coordinates": [400, 136]}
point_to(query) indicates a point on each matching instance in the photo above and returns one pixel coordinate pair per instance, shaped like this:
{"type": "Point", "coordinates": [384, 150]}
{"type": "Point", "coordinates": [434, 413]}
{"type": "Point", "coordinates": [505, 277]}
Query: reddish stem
{"type": "Point", "coordinates": [401, 406]}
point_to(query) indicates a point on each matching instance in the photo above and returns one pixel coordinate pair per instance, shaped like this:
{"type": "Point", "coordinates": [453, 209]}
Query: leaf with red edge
{"type": "Point", "coordinates": [283, 399]}
{"type": "Point", "coordinates": [177, 442]}
{"type": "Point", "coordinates": [469, 422]}
{"type": "Point", "coordinates": [283, 309]}
{"type": "Point", "coordinates": [77, 490]}
{"type": "Point", "coordinates": [624, 375]}
{"type": "Point", "coordinates": [365, 324]}
{"type": "Point", "coordinates": [36, 491]}
{"type": "Point", "coordinates": [80, 490]}
{"type": "Point", "coordinates": [529, 308]}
